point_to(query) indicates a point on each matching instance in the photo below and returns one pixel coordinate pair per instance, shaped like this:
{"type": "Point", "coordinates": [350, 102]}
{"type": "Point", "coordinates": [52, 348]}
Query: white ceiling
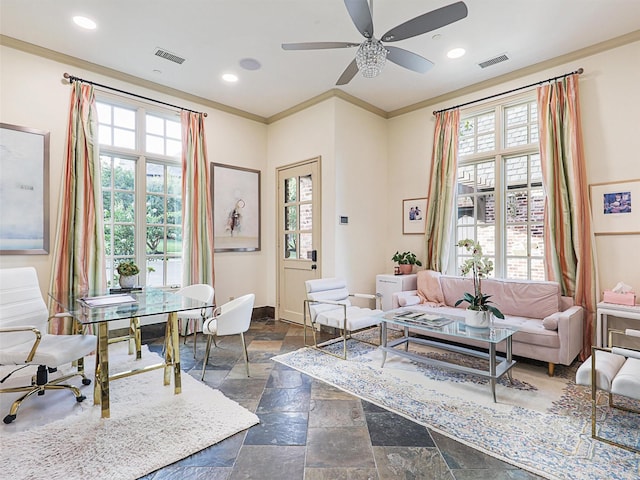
{"type": "Point", "coordinates": [214, 35]}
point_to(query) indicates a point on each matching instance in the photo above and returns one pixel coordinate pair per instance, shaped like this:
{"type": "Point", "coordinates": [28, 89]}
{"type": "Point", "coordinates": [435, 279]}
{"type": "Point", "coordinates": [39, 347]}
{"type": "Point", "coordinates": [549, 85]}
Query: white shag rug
{"type": "Point", "coordinates": [54, 437]}
{"type": "Point", "coordinates": [540, 424]}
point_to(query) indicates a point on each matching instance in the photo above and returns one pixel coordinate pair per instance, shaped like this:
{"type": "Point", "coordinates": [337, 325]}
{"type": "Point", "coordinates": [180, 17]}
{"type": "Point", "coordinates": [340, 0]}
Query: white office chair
{"type": "Point", "coordinates": [328, 304]}
{"type": "Point", "coordinates": [232, 318]}
{"type": "Point", "coordinates": [194, 319]}
{"type": "Point", "coordinates": [24, 339]}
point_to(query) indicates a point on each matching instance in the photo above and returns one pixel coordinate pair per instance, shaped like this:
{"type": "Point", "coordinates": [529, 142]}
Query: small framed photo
{"type": "Point", "coordinates": [414, 211]}
{"type": "Point", "coordinates": [615, 207]}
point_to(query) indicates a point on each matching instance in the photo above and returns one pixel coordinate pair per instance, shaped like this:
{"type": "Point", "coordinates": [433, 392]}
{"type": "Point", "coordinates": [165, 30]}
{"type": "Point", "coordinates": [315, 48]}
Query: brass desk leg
{"type": "Point", "coordinates": [101, 382]}
{"type": "Point", "coordinates": [135, 340]}
{"type": "Point", "coordinates": [172, 353]}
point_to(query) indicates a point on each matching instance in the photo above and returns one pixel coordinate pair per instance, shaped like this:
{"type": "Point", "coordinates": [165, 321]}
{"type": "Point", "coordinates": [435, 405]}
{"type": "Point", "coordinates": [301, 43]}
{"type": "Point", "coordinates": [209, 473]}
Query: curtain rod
{"type": "Point", "coordinates": [72, 79]}
{"type": "Point", "coordinates": [579, 72]}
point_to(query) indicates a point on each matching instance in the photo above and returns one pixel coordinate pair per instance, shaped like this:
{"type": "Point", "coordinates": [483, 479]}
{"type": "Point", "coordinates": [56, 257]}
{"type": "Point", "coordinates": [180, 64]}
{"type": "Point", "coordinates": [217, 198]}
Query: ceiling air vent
{"type": "Point", "coordinates": [494, 60]}
{"type": "Point", "coordinates": [161, 52]}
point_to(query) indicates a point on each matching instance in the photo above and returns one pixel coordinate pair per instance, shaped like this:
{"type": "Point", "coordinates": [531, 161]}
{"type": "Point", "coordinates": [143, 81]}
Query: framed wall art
{"type": "Point", "coordinates": [24, 191]}
{"type": "Point", "coordinates": [615, 207]}
{"type": "Point", "coordinates": [414, 211]}
{"type": "Point", "coordinates": [236, 208]}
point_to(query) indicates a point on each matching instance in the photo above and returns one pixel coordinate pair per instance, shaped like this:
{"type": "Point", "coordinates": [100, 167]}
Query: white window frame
{"type": "Point", "coordinates": [499, 155]}
{"type": "Point", "coordinates": [141, 158]}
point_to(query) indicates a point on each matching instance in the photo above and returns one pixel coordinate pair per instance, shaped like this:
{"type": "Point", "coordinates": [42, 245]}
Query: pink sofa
{"type": "Point", "coordinates": [549, 325]}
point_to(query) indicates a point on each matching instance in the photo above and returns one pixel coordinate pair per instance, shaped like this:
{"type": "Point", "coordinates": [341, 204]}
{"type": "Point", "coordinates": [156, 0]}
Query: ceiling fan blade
{"type": "Point", "coordinates": [318, 45]}
{"type": "Point", "coordinates": [408, 59]}
{"type": "Point", "coordinates": [427, 22]}
{"type": "Point", "coordinates": [361, 16]}
{"type": "Point", "coordinates": [348, 74]}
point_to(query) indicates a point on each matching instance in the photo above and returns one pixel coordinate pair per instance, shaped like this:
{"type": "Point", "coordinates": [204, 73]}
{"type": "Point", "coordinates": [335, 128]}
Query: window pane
{"type": "Point", "coordinates": [485, 209]}
{"type": "Point", "coordinates": [124, 118]}
{"type": "Point", "coordinates": [155, 272]}
{"type": "Point", "coordinates": [290, 246]}
{"type": "Point", "coordinates": [306, 245]}
{"type": "Point", "coordinates": [465, 209]}
{"type": "Point", "coordinates": [155, 177]}
{"type": "Point", "coordinates": [486, 143]}
{"type": "Point", "coordinates": [306, 217]}
{"type": "Point", "coordinates": [517, 207]}
{"type": "Point", "coordinates": [174, 271]}
{"type": "Point", "coordinates": [123, 240]}
{"type": "Point", "coordinates": [537, 240]}
{"type": "Point", "coordinates": [124, 174]}
{"type": "Point", "coordinates": [155, 144]}
{"type": "Point", "coordinates": [106, 205]}
{"type": "Point", "coordinates": [155, 209]}
{"type": "Point", "coordinates": [517, 268]}
{"type": "Point", "coordinates": [486, 176]}
{"type": "Point", "coordinates": [107, 240]}
{"type": "Point", "coordinates": [155, 125]}
{"type": "Point", "coordinates": [174, 148]}
{"type": "Point", "coordinates": [174, 210]}
{"type": "Point", "coordinates": [104, 113]}
{"type": "Point", "coordinates": [517, 240]}
{"type": "Point", "coordinates": [105, 171]}
{"type": "Point", "coordinates": [537, 269]}
{"type": "Point", "coordinates": [517, 171]}
{"type": "Point", "coordinates": [537, 205]}
{"type": "Point", "coordinates": [517, 115]}
{"type": "Point", "coordinates": [290, 190]}
{"type": "Point", "coordinates": [174, 129]}
{"type": "Point", "coordinates": [104, 135]}
{"type": "Point", "coordinates": [174, 240]}
{"type": "Point", "coordinates": [291, 218]}
{"type": "Point", "coordinates": [486, 123]}
{"type": "Point", "coordinates": [536, 169]}
{"type": "Point", "coordinates": [306, 188]}
{"type": "Point", "coordinates": [155, 240]}
{"type": "Point", "coordinates": [517, 136]}
{"type": "Point", "coordinates": [174, 180]}
{"type": "Point", "coordinates": [487, 239]}
{"type": "Point", "coordinates": [465, 146]}
{"type": "Point", "coordinates": [124, 138]}
{"type": "Point", "coordinates": [123, 205]}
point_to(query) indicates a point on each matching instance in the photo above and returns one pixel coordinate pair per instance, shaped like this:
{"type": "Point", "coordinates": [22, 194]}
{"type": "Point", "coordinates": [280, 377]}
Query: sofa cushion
{"type": "Point", "coordinates": [530, 330]}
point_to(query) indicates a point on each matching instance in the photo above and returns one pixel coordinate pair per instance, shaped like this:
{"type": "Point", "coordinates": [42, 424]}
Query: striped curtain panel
{"type": "Point", "coordinates": [197, 217]}
{"type": "Point", "coordinates": [569, 242]}
{"type": "Point", "coordinates": [440, 203]}
{"type": "Point", "coordinates": [79, 255]}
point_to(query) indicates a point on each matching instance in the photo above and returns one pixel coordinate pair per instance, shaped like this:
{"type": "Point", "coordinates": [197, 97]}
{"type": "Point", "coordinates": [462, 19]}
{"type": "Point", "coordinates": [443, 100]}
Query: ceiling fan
{"type": "Point", "coordinates": [372, 54]}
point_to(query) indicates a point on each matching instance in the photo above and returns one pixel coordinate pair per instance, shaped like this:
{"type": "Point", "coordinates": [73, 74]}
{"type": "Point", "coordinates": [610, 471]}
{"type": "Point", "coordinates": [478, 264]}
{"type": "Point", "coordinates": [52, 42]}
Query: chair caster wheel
{"type": "Point", "coordinates": [86, 381]}
{"type": "Point", "coordinates": [81, 398]}
{"type": "Point", "coordinates": [9, 418]}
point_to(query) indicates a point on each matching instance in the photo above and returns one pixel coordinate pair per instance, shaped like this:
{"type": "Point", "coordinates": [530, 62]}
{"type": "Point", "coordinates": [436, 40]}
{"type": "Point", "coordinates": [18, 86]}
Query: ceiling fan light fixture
{"type": "Point", "coordinates": [371, 57]}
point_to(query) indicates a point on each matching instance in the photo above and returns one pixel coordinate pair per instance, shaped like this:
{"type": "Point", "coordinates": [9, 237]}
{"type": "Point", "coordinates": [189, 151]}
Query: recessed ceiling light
{"type": "Point", "coordinates": [84, 22]}
{"type": "Point", "coordinates": [456, 53]}
{"type": "Point", "coordinates": [230, 77]}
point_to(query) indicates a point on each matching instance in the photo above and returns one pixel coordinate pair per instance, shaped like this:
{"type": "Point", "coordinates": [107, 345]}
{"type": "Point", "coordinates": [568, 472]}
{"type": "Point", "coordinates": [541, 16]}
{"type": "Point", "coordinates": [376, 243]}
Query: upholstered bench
{"type": "Point", "coordinates": [615, 370]}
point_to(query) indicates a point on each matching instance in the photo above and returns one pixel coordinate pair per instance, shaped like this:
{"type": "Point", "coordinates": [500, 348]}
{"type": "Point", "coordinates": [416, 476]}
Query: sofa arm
{"type": "Point", "coordinates": [404, 298]}
{"type": "Point", "coordinates": [570, 333]}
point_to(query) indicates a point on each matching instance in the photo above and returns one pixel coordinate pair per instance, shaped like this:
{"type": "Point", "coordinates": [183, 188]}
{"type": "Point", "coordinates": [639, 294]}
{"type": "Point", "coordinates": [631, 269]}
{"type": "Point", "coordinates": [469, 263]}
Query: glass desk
{"type": "Point", "coordinates": [149, 301]}
{"type": "Point", "coordinates": [451, 328]}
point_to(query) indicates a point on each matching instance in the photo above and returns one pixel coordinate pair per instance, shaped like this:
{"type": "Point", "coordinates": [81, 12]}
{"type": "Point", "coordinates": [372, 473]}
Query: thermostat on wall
{"type": "Point", "coordinates": [344, 220]}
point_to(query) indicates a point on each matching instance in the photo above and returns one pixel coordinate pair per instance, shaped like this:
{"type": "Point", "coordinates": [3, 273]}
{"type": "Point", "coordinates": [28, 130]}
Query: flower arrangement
{"type": "Point", "coordinates": [480, 267]}
{"type": "Point", "coordinates": [127, 269]}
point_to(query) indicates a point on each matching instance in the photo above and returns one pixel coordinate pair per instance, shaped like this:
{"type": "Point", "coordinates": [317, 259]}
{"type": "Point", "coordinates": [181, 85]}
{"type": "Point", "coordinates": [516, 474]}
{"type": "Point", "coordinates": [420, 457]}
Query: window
{"type": "Point", "coordinates": [142, 191]}
{"type": "Point", "coordinates": [500, 199]}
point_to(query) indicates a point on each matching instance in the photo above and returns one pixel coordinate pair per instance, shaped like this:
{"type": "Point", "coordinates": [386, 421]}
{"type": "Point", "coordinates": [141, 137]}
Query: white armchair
{"type": "Point", "coordinates": [328, 303]}
{"type": "Point", "coordinates": [24, 339]}
{"type": "Point", "coordinates": [232, 318]}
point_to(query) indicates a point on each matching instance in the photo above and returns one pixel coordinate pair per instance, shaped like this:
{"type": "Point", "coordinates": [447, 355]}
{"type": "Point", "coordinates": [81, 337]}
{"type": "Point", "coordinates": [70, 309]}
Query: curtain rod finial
{"type": "Point", "coordinates": [66, 75]}
{"type": "Point", "coordinates": [580, 71]}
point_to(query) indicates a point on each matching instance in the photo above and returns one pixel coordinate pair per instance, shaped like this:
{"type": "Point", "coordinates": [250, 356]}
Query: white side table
{"type": "Point", "coordinates": [387, 285]}
{"type": "Point", "coordinates": [606, 309]}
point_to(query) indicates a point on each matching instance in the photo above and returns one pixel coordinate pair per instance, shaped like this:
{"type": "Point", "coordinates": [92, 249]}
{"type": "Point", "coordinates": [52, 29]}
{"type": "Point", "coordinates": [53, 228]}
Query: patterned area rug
{"type": "Point", "coordinates": [54, 437]}
{"type": "Point", "coordinates": [539, 423]}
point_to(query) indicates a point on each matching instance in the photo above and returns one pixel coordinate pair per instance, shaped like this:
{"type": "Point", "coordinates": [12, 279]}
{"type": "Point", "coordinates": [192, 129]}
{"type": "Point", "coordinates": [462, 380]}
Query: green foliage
{"type": "Point", "coordinates": [406, 258]}
{"type": "Point", "coordinates": [480, 267]}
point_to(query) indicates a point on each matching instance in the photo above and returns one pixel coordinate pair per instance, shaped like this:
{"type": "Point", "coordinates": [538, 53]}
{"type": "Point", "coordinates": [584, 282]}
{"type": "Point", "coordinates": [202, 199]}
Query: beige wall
{"type": "Point", "coordinates": [369, 164]}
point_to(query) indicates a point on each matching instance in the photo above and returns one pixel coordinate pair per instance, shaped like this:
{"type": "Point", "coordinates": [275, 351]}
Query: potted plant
{"type": "Point", "coordinates": [127, 271]}
{"type": "Point", "coordinates": [405, 261]}
{"type": "Point", "coordinates": [479, 311]}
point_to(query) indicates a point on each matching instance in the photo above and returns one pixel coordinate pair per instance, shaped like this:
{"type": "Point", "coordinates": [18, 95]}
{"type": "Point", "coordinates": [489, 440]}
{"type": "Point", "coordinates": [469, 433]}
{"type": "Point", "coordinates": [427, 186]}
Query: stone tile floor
{"type": "Point", "coordinates": [310, 430]}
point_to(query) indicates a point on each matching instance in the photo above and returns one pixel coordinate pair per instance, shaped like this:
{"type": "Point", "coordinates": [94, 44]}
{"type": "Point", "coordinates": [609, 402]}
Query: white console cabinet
{"type": "Point", "coordinates": [387, 285]}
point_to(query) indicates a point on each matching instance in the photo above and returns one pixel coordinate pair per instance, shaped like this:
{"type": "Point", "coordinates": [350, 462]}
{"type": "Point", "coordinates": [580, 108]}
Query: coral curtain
{"type": "Point", "coordinates": [79, 256]}
{"type": "Point", "coordinates": [197, 217]}
{"type": "Point", "coordinates": [569, 241]}
{"type": "Point", "coordinates": [441, 196]}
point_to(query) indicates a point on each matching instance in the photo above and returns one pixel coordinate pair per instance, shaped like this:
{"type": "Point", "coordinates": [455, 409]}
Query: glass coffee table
{"type": "Point", "coordinates": [451, 328]}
